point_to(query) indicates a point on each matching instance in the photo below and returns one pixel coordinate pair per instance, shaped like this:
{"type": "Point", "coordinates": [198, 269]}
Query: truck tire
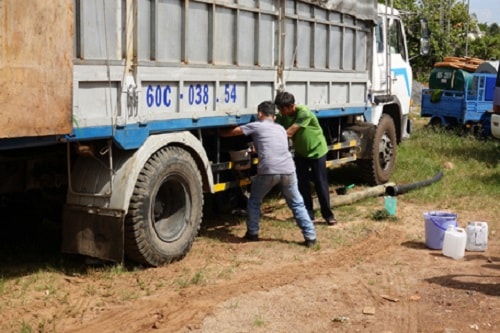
{"type": "Point", "coordinates": [165, 208]}
{"type": "Point", "coordinates": [378, 169]}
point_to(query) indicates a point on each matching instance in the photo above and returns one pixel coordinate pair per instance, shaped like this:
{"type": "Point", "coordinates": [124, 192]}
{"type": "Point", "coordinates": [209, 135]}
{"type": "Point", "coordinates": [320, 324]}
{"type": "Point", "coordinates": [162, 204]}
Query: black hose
{"type": "Point", "coordinates": [400, 189]}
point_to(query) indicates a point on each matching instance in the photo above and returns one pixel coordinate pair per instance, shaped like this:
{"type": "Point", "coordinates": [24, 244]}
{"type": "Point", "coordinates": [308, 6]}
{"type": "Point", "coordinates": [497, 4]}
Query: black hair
{"type": "Point", "coordinates": [267, 108]}
{"type": "Point", "coordinates": [284, 99]}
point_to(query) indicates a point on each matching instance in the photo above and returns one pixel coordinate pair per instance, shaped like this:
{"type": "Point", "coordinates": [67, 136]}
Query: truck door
{"type": "Point", "coordinates": [400, 71]}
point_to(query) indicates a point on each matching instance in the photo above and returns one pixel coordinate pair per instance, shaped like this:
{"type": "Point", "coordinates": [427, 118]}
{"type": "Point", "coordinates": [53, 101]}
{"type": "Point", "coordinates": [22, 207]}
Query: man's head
{"type": "Point", "coordinates": [267, 109]}
{"type": "Point", "coordinates": [285, 102]}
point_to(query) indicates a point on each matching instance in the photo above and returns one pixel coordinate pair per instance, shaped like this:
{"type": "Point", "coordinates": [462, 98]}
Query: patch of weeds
{"type": "Point", "coordinates": [233, 305]}
{"type": "Point", "coordinates": [64, 298]}
{"type": "Point", "coordinates": [382, 215]}
{"type": "Point", "coordinates": [127, 296]}
{"type": "Point", "coordinates": [197, 278]}
{"type": "Point", "coordinates": [108, 271]}
{"type": "Point", "coordinates": [25, 328]}
{"type": "Point", "coordinates": [226, 273]}
{"type": "Point", "coordinates": [2, 286]}
{"type": "Point", "coordinates": [160, 284]}
{"type": "Point", "coordinates": [44, 283]}
{"type": "Point", "coordinates": [258, 320]}
{"type": "Point", "coordinates": [278, 229]}
{"type": "Point", "coordinates": [72, 312]}
{"type": "Point", "coordinates": [348, 235]}
{"type": "Point", "coordinates": [144, 286]}
{"type": "Point", "coordinates": [44, 326]}
{"type": "Point", "coordinates": [91, 290]}
{"type": "Point", "coordinates": [360, 260]}
{"type": "Point", "coordinates": [108, 292]}
{"type": "Point", "coordinates": [400, 263]}
{"type": "Point", "coordinates": [354, 211]}
{"type": "Point", "coordinates": [117, 269]}
{"type": "Point", "coordinates": [235, 262]}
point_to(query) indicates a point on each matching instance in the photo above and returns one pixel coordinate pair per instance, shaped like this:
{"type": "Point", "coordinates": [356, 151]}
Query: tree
{"type": "Point", "coordinates": [449, 23]}
{"type": "Point", "coordinates": [486, 47]}
{"type": "Point", "coordinates": [493, 29]}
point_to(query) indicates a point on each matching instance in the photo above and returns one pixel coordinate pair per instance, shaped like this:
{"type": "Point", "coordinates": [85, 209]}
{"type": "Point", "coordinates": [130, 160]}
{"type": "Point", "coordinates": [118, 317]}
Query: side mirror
{"type": "Point", "coordinates": [424, 37]}
{"type": "Point", "coordinates": [425, 46]}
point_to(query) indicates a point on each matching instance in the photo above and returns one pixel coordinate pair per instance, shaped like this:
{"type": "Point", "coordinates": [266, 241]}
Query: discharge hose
{"type": "Point", "coordinates": [400, 189]}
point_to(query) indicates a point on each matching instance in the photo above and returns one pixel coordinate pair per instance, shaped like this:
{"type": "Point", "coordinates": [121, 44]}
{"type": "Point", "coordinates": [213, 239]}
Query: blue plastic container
{"type": "Point", "coordinates": [436, 224]}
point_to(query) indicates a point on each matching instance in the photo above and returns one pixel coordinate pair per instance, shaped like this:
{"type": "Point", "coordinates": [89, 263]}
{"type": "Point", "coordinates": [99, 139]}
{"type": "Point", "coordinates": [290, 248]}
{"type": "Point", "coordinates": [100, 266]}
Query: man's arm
{"type": "Point", "coordinates": [292, 130]}
{"type": "Point", "coordinates": [235, 131]}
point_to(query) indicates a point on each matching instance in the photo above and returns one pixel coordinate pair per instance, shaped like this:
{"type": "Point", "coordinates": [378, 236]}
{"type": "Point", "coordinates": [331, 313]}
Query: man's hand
{"type": "Point", "coordinates": [226, 132]}
{"type": "Point", "coordinates": [292, 130]}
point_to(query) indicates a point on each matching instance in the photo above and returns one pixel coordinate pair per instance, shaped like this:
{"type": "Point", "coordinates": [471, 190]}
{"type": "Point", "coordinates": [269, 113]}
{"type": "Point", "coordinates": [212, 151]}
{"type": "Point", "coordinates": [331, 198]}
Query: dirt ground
{"type": "Point", "coordinates": [365, 276]}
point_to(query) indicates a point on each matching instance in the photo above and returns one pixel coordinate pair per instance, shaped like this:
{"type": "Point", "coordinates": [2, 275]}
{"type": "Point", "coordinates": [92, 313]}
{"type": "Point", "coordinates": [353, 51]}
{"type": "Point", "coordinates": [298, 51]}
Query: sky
{"type": "Point", "coordinates": [487, 11]}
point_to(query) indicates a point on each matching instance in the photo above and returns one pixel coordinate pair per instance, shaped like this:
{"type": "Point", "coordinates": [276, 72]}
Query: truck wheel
{"type": "Point", "coordinates": [378, 169]}
{"type": "Point", "coordinates": [165, 209]}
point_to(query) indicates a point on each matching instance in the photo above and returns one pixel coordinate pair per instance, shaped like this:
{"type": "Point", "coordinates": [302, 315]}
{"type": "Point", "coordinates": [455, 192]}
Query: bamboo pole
{"type": "Point", "coordinates": [335, 200]}
{"type": "Point", "coordinates": [341, 200]}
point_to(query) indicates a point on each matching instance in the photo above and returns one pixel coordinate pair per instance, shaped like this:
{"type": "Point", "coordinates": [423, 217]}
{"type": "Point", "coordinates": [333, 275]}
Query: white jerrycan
{"type": "Point", "coordinates": [454, 242]}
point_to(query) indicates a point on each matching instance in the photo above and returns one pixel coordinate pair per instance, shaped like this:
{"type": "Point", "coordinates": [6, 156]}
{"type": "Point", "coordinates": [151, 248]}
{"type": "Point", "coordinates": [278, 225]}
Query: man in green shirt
{"type": "Point", "coordinates": [310, 148]}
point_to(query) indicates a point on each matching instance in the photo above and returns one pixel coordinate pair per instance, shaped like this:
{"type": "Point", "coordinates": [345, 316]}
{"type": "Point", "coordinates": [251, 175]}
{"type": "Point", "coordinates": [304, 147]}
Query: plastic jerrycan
{"type": "Point", "coordinates": [477, 236]}
{"type": "Point", "coordinates": [454, 242]}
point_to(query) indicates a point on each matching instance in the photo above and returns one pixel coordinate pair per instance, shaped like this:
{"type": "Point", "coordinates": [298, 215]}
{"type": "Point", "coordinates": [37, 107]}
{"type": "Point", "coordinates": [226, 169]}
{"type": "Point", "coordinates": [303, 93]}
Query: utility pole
{"type": "Point", "coordinates": [467, 31]}
{"type": "Point", "coordinates": [449, 15]}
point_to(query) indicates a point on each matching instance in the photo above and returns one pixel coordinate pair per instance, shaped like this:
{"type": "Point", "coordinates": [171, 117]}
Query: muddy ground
{"type": "Point", "coordinates": [365, 276]}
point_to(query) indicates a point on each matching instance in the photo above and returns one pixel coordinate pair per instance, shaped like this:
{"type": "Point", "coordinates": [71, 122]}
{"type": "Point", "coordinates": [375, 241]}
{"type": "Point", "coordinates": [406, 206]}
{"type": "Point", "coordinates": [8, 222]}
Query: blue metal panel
{"type": "Point", "coordinates": [339, 112]}
{"type": "Point", "coordinates": [132, 136]}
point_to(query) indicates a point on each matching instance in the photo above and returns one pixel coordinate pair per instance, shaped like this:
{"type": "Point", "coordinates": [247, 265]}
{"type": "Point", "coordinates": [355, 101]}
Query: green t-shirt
{"type": "Point", "coordinates": [309, 140]}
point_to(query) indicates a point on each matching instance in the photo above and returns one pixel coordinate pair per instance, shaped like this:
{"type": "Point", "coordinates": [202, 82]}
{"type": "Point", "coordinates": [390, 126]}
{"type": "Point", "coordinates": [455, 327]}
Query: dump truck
{"type": "Point", "coordinates": [118, 104]}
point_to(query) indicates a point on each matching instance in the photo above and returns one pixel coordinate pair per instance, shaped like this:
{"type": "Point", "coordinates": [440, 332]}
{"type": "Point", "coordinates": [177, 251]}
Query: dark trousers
{"type": "Point", "coordinates": [314, 170]}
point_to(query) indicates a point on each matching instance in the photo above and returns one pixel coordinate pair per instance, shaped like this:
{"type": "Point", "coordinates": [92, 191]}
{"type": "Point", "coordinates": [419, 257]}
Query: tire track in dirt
{"type": "Point", "coordinates": [175, 311]}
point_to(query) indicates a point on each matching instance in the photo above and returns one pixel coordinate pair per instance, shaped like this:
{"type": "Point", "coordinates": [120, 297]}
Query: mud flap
{"type": "Point", "coordinates": [94, 232]}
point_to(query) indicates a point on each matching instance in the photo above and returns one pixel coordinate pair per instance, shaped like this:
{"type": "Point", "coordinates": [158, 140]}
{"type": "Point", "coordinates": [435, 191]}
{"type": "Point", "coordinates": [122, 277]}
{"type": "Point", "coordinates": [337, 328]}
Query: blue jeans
{"type": "Point", "coordinates": [261, 185]}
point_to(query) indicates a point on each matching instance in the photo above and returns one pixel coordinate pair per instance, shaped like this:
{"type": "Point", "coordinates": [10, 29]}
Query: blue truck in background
{"type": "Point", "coordinates": [459, 98]}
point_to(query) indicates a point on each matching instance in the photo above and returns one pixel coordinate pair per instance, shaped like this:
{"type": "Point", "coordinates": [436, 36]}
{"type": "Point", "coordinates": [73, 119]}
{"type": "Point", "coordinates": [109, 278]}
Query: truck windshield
{"type": "Point", "coordinates": [396, 37]}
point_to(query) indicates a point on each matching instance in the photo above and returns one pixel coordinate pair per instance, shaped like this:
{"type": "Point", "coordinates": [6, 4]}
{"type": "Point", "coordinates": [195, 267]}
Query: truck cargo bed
{"type": "Point", "coordinates": [36, 67]}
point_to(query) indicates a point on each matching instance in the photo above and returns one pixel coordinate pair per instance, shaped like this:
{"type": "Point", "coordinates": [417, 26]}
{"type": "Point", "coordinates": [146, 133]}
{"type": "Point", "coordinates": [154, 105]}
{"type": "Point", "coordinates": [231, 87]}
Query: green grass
{"type": "Point", "coordinates": [471, 169]}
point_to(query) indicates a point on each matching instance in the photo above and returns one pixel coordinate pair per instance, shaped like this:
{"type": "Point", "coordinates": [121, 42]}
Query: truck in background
{"type": "Point", "coordinates": [460, 95]}
{"type": "Point", "coordinates": [117, 105]}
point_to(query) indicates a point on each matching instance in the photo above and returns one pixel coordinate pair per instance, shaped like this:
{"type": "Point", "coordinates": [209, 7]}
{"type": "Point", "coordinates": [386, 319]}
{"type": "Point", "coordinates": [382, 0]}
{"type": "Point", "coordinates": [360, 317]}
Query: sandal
{"type": "Point", "coordinates": [331, 221]}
